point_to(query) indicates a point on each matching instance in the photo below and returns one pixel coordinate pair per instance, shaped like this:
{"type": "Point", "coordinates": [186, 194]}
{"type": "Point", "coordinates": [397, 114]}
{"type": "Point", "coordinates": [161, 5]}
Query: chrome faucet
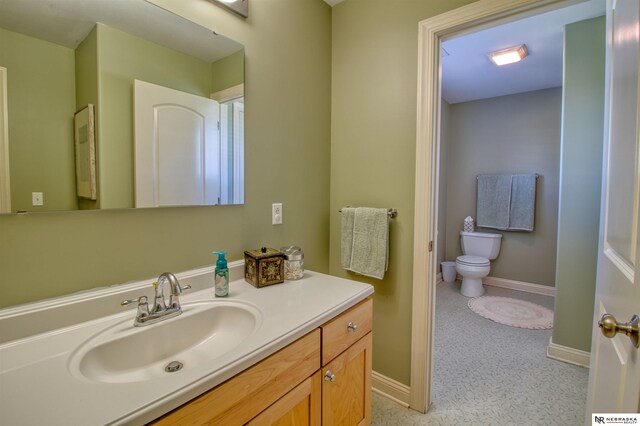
{"type": "Point", "coordinates": [160, 310]}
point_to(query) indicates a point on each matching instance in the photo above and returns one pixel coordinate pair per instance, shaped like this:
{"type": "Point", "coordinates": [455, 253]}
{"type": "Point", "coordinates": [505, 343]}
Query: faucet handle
{"type": "Point", "coordinates": [140, 300]}
{"type": "Point", "coordinates": [143, 308]}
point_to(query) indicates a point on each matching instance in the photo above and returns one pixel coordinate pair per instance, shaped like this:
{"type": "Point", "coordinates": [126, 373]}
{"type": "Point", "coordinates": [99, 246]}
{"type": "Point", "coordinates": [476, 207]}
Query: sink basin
{"type": "Point", "coordinates": [203, 332]}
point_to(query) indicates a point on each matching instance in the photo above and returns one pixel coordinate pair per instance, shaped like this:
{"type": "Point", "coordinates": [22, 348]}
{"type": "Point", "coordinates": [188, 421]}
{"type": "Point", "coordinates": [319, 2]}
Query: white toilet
{"type": "Point", "coordinates": [478, 248]}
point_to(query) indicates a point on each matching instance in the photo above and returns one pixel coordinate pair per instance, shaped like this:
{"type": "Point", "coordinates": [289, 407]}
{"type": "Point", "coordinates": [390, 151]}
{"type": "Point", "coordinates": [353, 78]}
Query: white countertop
{"type": "Point", "coordinates": [37, 386]}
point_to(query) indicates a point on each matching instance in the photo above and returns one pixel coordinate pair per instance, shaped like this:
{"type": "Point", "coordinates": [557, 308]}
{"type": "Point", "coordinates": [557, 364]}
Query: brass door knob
{"type": "Point", "coordinates": [610, 327]}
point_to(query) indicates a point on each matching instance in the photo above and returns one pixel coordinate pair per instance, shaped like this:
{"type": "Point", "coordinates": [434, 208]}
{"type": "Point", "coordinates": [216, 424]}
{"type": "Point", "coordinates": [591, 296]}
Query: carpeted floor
{"type": "Point", "coordinates": [492, 374]}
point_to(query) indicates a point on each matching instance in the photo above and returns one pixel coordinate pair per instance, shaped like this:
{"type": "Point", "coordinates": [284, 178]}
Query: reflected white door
{"type": "Point", "coordinates": [238, 153]}
{"type": "Point", "coordinates": [5, 187]}
{"type": "Point", "coordinates": [177, 151]}
{"type": "Point", "coordinates": [232, 152]}
{"type": "Point", "coordinates": [614, 380]}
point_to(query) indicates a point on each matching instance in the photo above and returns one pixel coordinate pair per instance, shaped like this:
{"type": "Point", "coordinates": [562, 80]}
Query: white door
{"type": "Point", "coordinates": [614, 380]}
{"type": "Point", "coordinates": [177, 148]}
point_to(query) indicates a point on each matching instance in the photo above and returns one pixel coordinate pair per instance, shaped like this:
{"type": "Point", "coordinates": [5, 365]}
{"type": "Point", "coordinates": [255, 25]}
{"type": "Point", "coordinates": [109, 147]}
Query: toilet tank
{"type": "Point", "coordinates": [480, 244]}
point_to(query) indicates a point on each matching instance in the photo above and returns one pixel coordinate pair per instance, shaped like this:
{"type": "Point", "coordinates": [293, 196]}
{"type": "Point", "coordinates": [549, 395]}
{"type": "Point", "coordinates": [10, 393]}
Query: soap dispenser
{"type": "Point", "coordinates": [221, 275]}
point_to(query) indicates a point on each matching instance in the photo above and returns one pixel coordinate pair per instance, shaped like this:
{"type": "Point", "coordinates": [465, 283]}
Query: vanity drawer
{"type": "Point", "coordinates": [346, 329]}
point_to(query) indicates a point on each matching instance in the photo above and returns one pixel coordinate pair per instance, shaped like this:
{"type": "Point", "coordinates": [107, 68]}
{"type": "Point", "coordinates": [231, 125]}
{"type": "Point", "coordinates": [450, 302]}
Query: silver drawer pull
{"type": "Point", "coordinates": [352, 327]}
{"type": "Point", "coordinates": [329, 376]}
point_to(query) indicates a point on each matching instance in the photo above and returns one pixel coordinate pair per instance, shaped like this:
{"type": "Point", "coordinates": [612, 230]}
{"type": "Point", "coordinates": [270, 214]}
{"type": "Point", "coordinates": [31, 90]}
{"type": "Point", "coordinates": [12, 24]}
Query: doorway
{"type": "Point", "coordinates": [464, 20]}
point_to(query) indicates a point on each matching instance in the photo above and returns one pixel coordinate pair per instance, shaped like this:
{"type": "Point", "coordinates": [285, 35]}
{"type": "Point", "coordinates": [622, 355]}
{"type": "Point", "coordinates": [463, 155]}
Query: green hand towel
{"type": "Point", "coordinates": [346, 240]}
{"type": "Point", "coordinates": [370, 248]}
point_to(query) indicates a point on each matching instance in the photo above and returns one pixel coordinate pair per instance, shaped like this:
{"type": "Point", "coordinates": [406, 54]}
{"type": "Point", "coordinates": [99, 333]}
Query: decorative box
{"type": "Point", "coordinates": [263, 267]}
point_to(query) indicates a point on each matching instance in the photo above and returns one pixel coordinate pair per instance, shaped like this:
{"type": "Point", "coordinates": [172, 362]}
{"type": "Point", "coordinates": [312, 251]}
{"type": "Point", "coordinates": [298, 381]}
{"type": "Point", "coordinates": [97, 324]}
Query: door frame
{"type": "Point", "coordinates": [483, 13]}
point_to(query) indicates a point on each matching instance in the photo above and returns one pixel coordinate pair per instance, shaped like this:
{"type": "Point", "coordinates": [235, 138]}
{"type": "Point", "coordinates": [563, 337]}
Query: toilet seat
{"type": "Point", "coordinates": [469, 260]}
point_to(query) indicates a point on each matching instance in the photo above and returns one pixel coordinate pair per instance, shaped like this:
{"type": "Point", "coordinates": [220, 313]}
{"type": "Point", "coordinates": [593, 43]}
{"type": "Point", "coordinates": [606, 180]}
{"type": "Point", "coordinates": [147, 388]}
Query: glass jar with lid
{"type": "Point", "coordinates": [293, 262]}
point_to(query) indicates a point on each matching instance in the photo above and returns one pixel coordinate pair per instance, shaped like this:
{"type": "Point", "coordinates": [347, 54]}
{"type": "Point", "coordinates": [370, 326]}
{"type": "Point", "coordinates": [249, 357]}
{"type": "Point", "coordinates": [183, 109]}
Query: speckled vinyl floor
{"type": "Point", "coordinates": [492, 374]}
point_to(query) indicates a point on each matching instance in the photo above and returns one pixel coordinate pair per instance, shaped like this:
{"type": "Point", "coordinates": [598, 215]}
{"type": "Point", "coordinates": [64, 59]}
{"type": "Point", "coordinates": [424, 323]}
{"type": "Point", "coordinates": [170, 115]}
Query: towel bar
{"type": "Point", "coordinates": [537, 175]}
{"type": "Point", "coordinates": [392, 213]}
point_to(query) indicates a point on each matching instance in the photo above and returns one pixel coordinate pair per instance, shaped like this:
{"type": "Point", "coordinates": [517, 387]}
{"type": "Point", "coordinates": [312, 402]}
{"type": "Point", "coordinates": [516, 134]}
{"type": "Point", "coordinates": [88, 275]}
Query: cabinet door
{"type": "Point", "coordinates": [300, 407]}
{"type": "Point", "coordinates": [346, 386]}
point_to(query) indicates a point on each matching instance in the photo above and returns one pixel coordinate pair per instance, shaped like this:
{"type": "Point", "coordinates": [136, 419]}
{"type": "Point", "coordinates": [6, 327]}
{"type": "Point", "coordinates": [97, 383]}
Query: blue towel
{"type": "Point", "coordinates": [523, 202]}
{"type": "Point", "coordinates": [493, 201]}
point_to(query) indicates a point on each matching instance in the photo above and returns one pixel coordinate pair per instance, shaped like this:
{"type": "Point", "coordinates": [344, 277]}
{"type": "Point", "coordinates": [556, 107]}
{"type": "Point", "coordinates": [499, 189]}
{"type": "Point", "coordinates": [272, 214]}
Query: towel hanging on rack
{"type": "Point", "coordinates": [365, 241]}
{"type": "Point", "coordinates": [506, 201]}
{"type": "Point", "coordinates": [523, 203]}
{"type": "Point", "coordinates": [493, 200]}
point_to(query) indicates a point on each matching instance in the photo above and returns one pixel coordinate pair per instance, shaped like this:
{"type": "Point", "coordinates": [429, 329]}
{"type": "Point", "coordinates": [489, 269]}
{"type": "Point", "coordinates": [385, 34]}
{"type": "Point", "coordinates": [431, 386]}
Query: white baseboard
{"type": "Point", "coordinates": [391, 389]}
{"type": "Point", "coordinates": [567, 354]}
{"type": "Point", "coordinates": [439, 278]}
{"type": "Point", "coordinates": [520, 285]}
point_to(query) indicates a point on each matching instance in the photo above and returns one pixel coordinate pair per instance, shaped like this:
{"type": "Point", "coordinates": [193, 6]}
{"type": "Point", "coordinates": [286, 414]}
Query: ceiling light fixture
{"type": "Point", "coordinates": [509, 56]}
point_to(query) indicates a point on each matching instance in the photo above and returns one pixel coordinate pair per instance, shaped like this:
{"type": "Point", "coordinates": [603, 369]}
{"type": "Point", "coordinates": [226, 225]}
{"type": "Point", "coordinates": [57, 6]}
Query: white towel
{"type": "Point", "coordinates": [370, 243]}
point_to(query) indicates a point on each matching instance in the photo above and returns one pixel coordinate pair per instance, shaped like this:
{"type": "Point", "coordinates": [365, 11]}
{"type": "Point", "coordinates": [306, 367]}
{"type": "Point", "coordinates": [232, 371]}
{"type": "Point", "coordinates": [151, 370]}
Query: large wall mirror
{"type": "Point", "coordinates": [70, 132]}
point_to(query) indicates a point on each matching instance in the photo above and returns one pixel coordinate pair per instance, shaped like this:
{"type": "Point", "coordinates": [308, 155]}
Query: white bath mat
{"type": "Point", "coordinates": [513, 312]}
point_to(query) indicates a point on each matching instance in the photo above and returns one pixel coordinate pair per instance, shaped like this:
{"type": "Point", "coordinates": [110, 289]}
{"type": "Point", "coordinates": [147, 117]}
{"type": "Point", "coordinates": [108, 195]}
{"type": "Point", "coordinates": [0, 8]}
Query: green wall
{"type": "Point", "coordinates": [227, 72]}
{"type": "Point", "coordinates": [373, 144]}
{"type": "Point", "coordinates": [580, 179]}
{"type": "Point", "coordinates": [287, 106]}
{"type": "Point", "coordinates": [41, 102]}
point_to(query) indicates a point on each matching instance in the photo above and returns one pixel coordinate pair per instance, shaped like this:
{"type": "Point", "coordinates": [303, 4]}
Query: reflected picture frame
{"type": "Point", "coordinates": [85, 150]}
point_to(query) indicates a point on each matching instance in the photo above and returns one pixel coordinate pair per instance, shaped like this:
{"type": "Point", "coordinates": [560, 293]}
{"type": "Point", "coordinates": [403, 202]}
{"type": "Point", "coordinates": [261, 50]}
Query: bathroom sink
{"type": "Point", "coordinates": [203, 332]}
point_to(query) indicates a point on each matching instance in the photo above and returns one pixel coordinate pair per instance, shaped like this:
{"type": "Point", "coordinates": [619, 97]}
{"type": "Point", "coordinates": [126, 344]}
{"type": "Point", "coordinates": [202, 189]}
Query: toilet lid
{"type": "Point", "coordinates": [473, 260]}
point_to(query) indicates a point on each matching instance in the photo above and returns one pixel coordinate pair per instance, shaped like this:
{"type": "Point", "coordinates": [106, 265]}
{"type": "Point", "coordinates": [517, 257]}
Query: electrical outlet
{"type": "Point", "coordinates": [276, 214]}
{"type": "Point", "coordinates": [37, 199]}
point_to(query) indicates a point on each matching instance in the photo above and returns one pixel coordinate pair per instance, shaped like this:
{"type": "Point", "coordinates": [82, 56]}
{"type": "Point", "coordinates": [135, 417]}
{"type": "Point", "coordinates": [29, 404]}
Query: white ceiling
{"type": "Point", "coordinates": [468, 74]}
{"type": "Point", "coordinates": [67, 22]}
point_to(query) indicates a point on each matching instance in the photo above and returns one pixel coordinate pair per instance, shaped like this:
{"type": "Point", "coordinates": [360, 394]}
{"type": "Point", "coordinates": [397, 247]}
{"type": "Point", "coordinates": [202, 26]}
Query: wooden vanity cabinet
{"type": "Point", "coordinates": [244, 396]}
{"type": "Point", "coordinates": [323, 378]}
{"type": "Point", "coordinates": [346, 362]}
